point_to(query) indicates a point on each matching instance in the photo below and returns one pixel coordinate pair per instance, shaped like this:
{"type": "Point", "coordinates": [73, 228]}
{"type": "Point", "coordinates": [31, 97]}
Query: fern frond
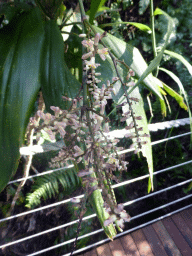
{"type": "Point", "coordinates": [48, 186]}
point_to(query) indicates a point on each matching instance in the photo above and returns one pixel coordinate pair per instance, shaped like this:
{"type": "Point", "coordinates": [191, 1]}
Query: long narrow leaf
{"type": "Point", "coordinates": [138, 109]}
{"type": "Point", "coordinates": [140, 26]}
{"type": "Point", "coordinates": [155, 63]}
{"type": "Point", "coordinates": [19, 85]}
{"type": "Point", "coordinates": [95, 5]}
{"type": "Point", "coordinates": [180, 58]}
{"type": "Point", "coordinates": [56, 79]}
{"type": "Point", "coordinates": [132, 57]}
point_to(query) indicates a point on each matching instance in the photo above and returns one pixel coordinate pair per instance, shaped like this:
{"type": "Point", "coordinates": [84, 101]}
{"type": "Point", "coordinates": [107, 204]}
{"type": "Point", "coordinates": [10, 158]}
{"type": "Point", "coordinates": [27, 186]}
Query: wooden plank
{"type": "Point", "coordinates": [142, 243]}
{"type": "Point", "coordinates": [104, 250]}
{"type": "Point", "coordinates": [168, 243]}
{"type": "Point", "coordinates": [187, 217]}
{"type": "Point", "coordinates": [129, 245]}
{"type": "Point", "coordinates": [184, 229]}
{"type": "Point", "coordinates": [154, 241]}
{"type": "Point", "coordinates": [177, 237]}
{"type": "Point", "coordinates": [117, 248]}
{"type": "Point", "coordinates": [91, 253]}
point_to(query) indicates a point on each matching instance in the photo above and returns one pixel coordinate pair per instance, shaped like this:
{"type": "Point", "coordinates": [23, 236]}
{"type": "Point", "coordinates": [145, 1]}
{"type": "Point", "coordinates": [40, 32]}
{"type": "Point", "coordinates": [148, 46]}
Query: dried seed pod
{"type": "Point", "coordinates": [144, 142]}
{"type": "Point", "coordinates": [134, 99]}
{"type": "Point", "coordinates": [138, 117]}
{"type": "Point", "coordinates": [145, 135]}
{"type": "Point", "coordinates": [123, 119]}
{"type": "Point", "coordinates": [121, 105]}
{"type": "Point", "coordinates": [130, 126]}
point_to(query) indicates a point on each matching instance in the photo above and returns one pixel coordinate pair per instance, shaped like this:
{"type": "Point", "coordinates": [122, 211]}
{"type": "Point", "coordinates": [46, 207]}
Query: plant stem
{"type": "Point", "coordinates": [153, 39]}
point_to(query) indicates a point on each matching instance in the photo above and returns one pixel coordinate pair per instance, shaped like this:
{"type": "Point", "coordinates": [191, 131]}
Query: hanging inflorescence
{"type": "Point", "coordinates": [84, 128]}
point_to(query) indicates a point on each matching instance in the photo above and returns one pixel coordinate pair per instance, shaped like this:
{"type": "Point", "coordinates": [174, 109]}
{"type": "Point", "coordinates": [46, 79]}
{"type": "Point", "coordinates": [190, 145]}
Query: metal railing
{"type": "Point", "coordinates": [117, 134]}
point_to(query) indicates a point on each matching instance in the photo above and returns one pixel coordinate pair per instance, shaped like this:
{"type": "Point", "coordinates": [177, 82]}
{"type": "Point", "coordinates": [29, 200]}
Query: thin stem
{"type": "Point", "coordinates": [153, 39]}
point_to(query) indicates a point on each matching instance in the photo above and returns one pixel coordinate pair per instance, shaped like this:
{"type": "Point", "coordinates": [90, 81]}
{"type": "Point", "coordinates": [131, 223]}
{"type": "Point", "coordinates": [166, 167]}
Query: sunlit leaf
{"type": "Point", "coordinates": [132, 57]}
{"type": "Point", "coordinates": [138, 109]}
{"type": "Point", "coordinates": [140, 26]}
{"type": "Point", "coordinates": [174, 94]}
{"type": "Point", "coordinates": [155, 62]}
{"type": "Point", "coordinates": [180, 58]}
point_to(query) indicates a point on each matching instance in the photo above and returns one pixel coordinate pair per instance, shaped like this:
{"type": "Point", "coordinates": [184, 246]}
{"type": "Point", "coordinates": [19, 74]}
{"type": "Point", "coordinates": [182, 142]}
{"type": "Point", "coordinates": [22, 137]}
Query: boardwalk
{"type": "Point", "coordinates": [172, 236]}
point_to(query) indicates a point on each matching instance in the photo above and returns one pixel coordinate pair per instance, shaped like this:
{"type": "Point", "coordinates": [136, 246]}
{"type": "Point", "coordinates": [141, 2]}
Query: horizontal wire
{"type": "Point", "coordinates": [41, 174]}
{"type": "Point", "coordinates": [128, 231]}
{"type": "Point", "coordinates": [157, 192]}
{"type": "Point", "coordinates": [70, 166]}
{"type": "Point", "coordinates": [154, 143]}
{"type": "Point", "coordinates": [148, 175]}
{"type": "Point", "coordinates": [88, 217]}
{"type": "Point", "coordinates": [95, 232]}
{"type": "Point", "coordinates": [81, 196]}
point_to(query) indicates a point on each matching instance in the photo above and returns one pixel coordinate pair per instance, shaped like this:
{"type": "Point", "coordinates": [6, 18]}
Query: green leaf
{"type": "Point", "coordinates": [97, 202]}
{"type": "Point", "coordinates": [180, 58]}
{"type": "Point", "coordinates": [155, 62]}
{"type": "Point", "coordinates": [56, 79]}
{"type": "Point", "coordinates": [158, 12]}
{"type": "Point", "coordinates": [140, 26]}
{"type": "Point", "coordinates": [95, 6]}
{"type": "Point", "coordinates": [19, 85]}
{"type": "Point", "coordinates": [143, 5]}
{"type": "Point", "coordinates": [132, 57]}
{"type": "Point", "coordinates": [174, 94]}
{"type": "Point", "coordinates": [138, 109]}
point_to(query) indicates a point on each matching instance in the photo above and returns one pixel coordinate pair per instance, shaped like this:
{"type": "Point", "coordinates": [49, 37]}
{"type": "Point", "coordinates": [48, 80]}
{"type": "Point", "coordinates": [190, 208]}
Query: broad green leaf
{"type": "Point", "coordinates": [19, 85]}
{"type": "Point", "coordinates": [138, 109]}
{"type": "Point", "coordinates": [180, 58]}
{"type": "Point", "coordinates": [56, 79]}
{"type": "Point", "coordinates": [140, 26]}
{"type": "Point", "coordinates": [95, 6]}
{"type": "Point", "coordinates": [155, 62]}
{"type": "Point", "coordinates": [132, 57]}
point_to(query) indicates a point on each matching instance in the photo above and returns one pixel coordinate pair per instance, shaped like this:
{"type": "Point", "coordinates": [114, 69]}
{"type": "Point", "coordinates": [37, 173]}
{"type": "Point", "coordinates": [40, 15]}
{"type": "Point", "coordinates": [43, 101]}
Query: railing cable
{"type": "Point", "coordinates": [81, 196]}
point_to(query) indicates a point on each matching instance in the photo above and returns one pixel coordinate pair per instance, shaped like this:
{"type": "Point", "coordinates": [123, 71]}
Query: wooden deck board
{"type": "Point", "coordinates": [170, 237]}
{"type": "Point", "coordinates": [129, 245]}
{"type": "Point", "coordinates": [103, 250]}
{"type": "Point", "coordinates": [117, 248]}
{"type": "Point", "coordinates": [177, 237]}
{"type": "Point", "coordinates": [184, 229]}
{"type": "Point", "coordinates": [168, 243]}
{"type": "Point", "coordinates": [154, 241]}
{"type": "Point", "coordinates": [142, 243]}
{"type": "Point", "coordinates": [91, 253]}
{"type": "Point", "coordinates": [187, 218]}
